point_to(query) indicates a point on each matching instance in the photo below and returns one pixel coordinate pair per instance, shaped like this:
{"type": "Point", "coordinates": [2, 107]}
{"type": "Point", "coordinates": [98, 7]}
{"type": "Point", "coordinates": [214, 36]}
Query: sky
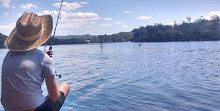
{"type": "Point", "coordinates": [97, 17]}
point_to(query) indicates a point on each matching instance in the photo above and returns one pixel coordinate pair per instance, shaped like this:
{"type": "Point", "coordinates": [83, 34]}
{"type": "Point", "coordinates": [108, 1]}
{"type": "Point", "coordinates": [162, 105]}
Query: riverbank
{"type": "Point", "coordinates": [199, 30]}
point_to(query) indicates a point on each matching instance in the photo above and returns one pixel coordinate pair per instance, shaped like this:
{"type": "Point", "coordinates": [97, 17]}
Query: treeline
{"type": "Point", "coordinates": [58, 41]}
{"type": "Point", "coordinates": [199, 30]}
{"type": "Point", "coordinates": [2, 40]}
{"type": "Point", "coordinates": [119, 37]}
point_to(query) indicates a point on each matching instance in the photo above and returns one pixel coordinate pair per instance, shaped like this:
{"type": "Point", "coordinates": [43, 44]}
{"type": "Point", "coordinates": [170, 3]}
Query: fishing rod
{"type": "Point", "coordinates": [53, 37]}
{"type": "Point", "coordinates": [58, 17]}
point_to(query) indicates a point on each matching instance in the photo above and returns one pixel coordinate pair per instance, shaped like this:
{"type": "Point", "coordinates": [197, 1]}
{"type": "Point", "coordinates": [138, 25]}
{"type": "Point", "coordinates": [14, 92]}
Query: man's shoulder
{"type": "Point", "coordinates": [37, 53]}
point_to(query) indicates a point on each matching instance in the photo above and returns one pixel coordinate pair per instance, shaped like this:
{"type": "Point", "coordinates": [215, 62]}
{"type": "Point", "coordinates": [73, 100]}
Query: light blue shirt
{"type": "Point", "coordinates": [22, 76]}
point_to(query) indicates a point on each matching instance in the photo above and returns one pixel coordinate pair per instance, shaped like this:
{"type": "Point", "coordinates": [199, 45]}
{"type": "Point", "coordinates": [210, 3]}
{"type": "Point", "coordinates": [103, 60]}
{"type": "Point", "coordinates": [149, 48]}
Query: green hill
{"type": "Point", "coordinates": [2, 40]}
{"type": "Point", "coordinates": [199, 30]}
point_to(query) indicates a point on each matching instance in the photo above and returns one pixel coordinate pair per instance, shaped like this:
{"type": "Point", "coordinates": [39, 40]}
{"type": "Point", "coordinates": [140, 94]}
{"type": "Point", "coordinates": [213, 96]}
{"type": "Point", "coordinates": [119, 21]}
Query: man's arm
{"type": "Point", "coordinates": [52, 88]}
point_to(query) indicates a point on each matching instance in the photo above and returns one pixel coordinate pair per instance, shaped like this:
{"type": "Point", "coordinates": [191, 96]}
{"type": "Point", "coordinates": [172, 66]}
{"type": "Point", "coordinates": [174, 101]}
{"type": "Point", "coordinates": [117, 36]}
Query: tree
{"type": "Point", "coordinates": [188, 19]}
{"type": "Point", "coordinates": [2, 40]}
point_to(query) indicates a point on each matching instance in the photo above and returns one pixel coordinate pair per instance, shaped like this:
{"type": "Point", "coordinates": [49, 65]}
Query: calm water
{"type": "Point", "coordinates": [172, 76]}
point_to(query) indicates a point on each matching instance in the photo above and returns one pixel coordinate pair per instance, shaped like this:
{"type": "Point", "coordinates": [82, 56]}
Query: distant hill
{"type": "Point", "coordinates": [119, 37]}
{"type": "Point", "coordinates": [2, 40]}
{"type": "Point", "coordinates": [78, 39]}
{"type": "Point", "coordinates": [199, 30]}
{"type": "Point", "coordinates": [83, 39]}
{"type": "Point", "coordinates": [86, 36]}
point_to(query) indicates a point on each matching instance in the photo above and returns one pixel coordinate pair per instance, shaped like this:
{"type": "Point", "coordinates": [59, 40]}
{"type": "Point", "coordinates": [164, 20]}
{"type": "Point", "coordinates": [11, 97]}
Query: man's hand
{"type": "Point", "coordinates": [49, 52]}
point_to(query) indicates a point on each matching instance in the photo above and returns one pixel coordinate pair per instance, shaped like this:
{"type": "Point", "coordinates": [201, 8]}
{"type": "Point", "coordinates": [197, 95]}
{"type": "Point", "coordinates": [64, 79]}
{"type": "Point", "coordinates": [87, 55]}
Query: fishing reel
{"type": "Point", "coordinates": [59, 75]}
{"type": "Point", "coordinates": [49, 53]}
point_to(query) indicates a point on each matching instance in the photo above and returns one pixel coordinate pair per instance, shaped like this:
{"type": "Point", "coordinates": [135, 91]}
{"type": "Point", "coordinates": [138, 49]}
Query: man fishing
{"type": "Point", "coordinates": [25, 68]}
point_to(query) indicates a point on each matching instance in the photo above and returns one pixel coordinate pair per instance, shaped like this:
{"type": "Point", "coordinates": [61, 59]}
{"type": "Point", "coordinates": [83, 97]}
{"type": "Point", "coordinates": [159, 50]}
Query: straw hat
{"type": "Point", "coordinates": [30, 32]}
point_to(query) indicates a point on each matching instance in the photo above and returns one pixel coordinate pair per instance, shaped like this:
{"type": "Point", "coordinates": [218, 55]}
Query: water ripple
{"type": "Point", "coordinates": [174, 76]}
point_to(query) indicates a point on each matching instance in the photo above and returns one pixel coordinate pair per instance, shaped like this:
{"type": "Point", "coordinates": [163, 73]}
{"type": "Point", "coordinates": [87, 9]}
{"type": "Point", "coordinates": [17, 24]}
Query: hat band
{"type": "Point", "coordinates": [31, 38]}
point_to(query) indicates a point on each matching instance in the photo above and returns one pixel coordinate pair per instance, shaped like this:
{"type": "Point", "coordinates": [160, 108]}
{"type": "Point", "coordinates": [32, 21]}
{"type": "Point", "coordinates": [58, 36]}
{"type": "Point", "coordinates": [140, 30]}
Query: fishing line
{"type": "Point", "coordinates": [53, 37]}
{"type": "Point", "coordinates": [58, 17]}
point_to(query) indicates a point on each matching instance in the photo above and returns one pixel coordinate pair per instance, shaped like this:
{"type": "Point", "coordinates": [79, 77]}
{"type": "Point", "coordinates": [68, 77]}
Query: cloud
{"type": "Point", "coordinates": [127, 12]}
{"type": "Point", "coordinates": [69, 6]}
{"type": "Point", "coordinates": [124, 26]}
{"type": "Point", "coordinates": [174, 22]}
{"type": "Point", "coordinates": [105, 25]}
{"type": "Point", "coordinates": [212, 13]}
{"type": "Point", "coordinates": [86, 16]}
{"type": "Point", "coordinates": [28, 6]}
{"type": "Point", "coordinates": [6, 29]}
{"type": "Point", "coordinates": [170, 23]}
{"type": "Point", "coordinates": [8, 26]}
{"type": "Point", "coordinates": [52, 13]}
{"type": "Point", "coordinates": [83, 16]}
{"type": "Point", "coordinates": [144, 17]}
{"type": "Point", "coordinates": [119, 23]}
{"type": "Point", "coordinates": [70, 21]}
{"type": "Point", "coordinates": [108, 19]}
{"type": "Point", "coordinates": [5, 3]}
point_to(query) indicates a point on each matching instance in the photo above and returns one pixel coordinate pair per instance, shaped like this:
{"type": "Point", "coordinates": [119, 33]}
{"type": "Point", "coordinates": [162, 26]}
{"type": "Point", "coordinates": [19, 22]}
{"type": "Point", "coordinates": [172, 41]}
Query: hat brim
{"type": "Point", "coordinates": [13, 43]}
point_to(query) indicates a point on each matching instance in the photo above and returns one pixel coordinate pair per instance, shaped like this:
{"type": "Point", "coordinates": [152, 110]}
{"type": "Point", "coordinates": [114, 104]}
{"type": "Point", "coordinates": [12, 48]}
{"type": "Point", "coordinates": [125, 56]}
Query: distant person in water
{"type": "Point", "coordinates": [25, 67]}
